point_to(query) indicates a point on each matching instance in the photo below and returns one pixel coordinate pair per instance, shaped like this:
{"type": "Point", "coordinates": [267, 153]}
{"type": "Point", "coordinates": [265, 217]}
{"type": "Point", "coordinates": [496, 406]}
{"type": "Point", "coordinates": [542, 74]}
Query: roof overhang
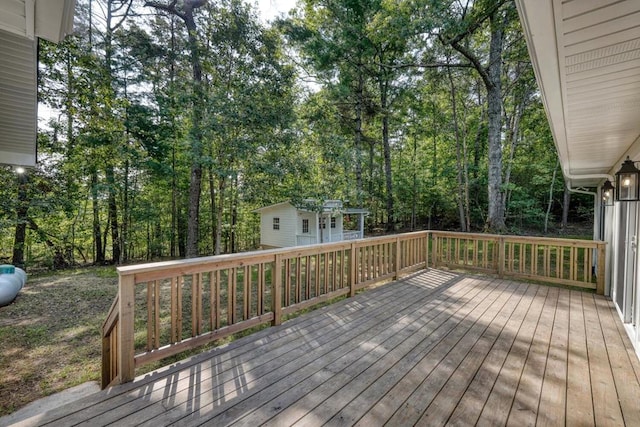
{"type": "Point", "coordinates": [586, 57]}
{"type": "Point", "coordinates": [21, 23]}
{"type": "Point", "coordinates": [48, 19]}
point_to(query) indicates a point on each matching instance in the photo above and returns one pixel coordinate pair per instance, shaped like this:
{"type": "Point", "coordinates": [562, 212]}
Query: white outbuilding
{"type": "Point", "coordinates": [309, 222]}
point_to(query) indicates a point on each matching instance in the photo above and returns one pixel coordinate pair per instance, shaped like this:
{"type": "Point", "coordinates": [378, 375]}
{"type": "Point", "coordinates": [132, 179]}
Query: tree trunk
{"type": "Point", "coordinates": [221, 190]}
{"type": "Point", "coordinates": [358, 137]}
{"type": "Point", "coordinates": [495, 218]}
{"type": "Point", "coordinates": [213, 211]}
{"type": "Point", "coordinates": [113, 214]}
{"type": "Point", "coordinates": [195, 133]}
{"type": "Point", "coordinates": [173, 239]}
{"type": "Point", "coordinates": [234, 215]}
{"type": "Point", "coordinates": [566, 203]}
{"type": "Point", "coordinates": [174, 186]}
{"type": "Point", "coordinates": [491, 78]}
{"type": "Point", "coordinates": [459, 159]}
{"type": "Point", "coordinates": [550, 204]}
{"type": "Point", "coordinates": [414, 183]}
{"type": "Point", "coordinates": [384, 101]}
{"type": "Point", "coordinates": [182, 233]}
{"type": "Point", "coordinates": [195, 183]}
{"type": "Point", "coordinates": [22, 210]}
{"type": "Point", "coordinates": [97, 234]}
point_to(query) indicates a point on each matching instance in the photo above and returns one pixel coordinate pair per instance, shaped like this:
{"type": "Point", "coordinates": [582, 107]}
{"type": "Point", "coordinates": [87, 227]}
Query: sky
{"type": "Point", "coordinates": [270, 9]}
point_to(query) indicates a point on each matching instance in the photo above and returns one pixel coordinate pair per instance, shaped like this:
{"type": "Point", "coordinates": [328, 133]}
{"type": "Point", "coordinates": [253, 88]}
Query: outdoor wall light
{"type": "Point", "coordinates": [607, 193]}
{"type": "Point", "coordinates": [627, 179]}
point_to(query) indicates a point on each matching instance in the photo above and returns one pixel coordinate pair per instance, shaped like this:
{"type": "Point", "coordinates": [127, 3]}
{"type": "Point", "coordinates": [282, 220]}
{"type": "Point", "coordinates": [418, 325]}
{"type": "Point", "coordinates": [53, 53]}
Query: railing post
{"type": "Point", "coordinates": [426, 250]}
{"type": "Point", "coordinates": [501, 257]}
{"type": "Point", "coordinates": [353, 273]}
{"type": "Point", "coordinates": [434, 250]}
{"type": "Point", "coordinates": [126, 350]}
{"type": "Point", "coordinates": [276, 292]}
{"type": "Point", "coordinates": [602, 259]}
{"type": "Point", "coordinates": [106, 362]}
{"type": "Point", "coordinates": [397, 261]}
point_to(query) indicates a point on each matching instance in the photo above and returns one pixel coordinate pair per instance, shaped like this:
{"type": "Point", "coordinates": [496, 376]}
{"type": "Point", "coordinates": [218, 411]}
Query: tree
{"type": "Point", "coordinates": [185, 11]}
{"type": "Point", "coordinates": [490, 72]}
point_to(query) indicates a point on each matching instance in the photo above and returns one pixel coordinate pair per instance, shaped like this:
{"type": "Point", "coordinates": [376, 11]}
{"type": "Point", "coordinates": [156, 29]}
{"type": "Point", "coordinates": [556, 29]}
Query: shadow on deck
{"type": "Point", "coordinates": [433, 348]}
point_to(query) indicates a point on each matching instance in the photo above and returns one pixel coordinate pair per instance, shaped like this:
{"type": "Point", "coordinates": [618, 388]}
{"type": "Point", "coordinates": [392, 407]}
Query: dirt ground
{"type": "Point", "coordinates": [50, 335]}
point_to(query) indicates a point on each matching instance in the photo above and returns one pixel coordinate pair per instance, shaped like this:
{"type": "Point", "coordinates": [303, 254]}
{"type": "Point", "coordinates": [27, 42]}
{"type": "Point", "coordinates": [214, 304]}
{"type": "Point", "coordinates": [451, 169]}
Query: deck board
{"type": "Point", "coordinates": [552, 406]}
{"type": "Point", "coordinates": [420, 323]}
{"type": "Point", "coordinates": [469, 408]}
{"type": "Point", "coordinates": [524, 409]}
{"type": "Point", "coordinates": [579, 399]}
{"type": "Point", "coordinates": [435, 348]}
{"type": "Point", "coordinates": [498, 405]}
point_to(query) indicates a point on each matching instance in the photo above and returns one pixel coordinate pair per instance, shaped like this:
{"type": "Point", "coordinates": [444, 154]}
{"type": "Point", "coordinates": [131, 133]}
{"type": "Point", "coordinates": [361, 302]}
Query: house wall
{"type": "Point", "coordinates": [311, 237]}
{"type": "Point", "coordinates": [286, 235]}
{"type": "Point", "coordinates": [621, 230]}
{"type": "Point", "coordinates": [290, 232]}
{"type": "Point", "coordinates": [336, 233]}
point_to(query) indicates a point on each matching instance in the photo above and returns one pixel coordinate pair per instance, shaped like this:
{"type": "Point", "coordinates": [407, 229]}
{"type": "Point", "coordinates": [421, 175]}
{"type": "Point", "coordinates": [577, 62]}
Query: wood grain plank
{"type": "Point", "coordinates": [282, 346]}
{"type": "Point", "coordinates": [606, 407]}
{"type": "Point", "coordinates": [447, 398]}
{"type": "Point", "coordinates": [391, 390]}
{"type": "Point", "coordinates": [524, 409]}
{"type": "Point", "coordinates": [469, 407]}
{"type": "Point", "coordinates": [579, 400]}
{"type": "Point", "coordinates": [496, 409]}
{"type": "Point", "coordinates": [345, 361]}
{"type": "Point", "coordinates": [423, 394]}
{"type": "Point", "coordinates": [552, 406]}
{"type": "Point", "coordinates": [622, 364]}
{"type": "Point", "coordinates": [425, 323]}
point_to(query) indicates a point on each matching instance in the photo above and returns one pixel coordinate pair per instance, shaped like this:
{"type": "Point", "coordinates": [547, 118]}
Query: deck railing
{"type": "Point", "coordinates": [351, 235]}
{"type": "Point", "coordinates": [165, 308]}
{"type": "Point", "coordinates": [579, 263]}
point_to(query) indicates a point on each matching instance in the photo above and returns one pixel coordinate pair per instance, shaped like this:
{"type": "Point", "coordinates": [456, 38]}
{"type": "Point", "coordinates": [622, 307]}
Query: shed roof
{"type": "Point", "coordinates": [328, 206]}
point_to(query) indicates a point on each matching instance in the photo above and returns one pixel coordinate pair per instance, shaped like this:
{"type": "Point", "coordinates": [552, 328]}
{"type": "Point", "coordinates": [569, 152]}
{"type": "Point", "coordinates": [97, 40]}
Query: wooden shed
{"type": "Point", "coordinates": [309, 222]}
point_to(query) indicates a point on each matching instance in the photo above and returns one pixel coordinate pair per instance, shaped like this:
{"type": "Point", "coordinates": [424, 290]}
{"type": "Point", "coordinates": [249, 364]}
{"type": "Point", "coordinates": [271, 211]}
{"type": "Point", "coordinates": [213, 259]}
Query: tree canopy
{"type": "Point", "coordinates": [174, 120]}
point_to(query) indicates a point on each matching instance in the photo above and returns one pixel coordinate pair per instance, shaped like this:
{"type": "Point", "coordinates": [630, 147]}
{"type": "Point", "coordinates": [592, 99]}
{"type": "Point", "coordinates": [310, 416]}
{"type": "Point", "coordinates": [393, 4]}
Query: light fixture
{"type": "Point", "coordinates": [607, 193]}
{"type": "Point", "coordinates": [627, 179]}
{"type": "Point", "coordinates": [19, 170]}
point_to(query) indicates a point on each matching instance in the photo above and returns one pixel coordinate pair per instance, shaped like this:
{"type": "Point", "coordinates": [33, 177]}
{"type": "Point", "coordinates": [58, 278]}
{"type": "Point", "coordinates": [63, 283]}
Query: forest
{"type": "Point", "coordinates": [170, 122]}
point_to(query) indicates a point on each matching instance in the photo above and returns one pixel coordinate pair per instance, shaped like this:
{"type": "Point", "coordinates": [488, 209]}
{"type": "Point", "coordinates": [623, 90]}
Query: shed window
{"type": "Point", "coordinates": [276, 223]}
{"type": "Point", "coordinates": [305, 225]}
{"type": "Point", "coordinates": [333, 222]}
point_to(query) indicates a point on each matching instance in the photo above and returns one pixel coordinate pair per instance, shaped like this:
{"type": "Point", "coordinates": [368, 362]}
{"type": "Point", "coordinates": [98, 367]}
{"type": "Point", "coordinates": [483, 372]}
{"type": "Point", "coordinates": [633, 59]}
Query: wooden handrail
{"type": "Point", "coordinates": [563, 261]}
{"type": "Point", "coordinates": [109, 346]}
{"type": "Point", "coordinates": [168, 307]}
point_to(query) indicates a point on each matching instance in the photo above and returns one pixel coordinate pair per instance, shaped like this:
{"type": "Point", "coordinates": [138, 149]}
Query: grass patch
{"type": "Point", "coordinates": [50, 335]}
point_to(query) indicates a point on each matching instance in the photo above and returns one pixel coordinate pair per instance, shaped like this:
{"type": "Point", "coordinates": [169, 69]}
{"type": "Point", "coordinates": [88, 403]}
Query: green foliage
{"type": "Point", "coordinates": [305, 108]}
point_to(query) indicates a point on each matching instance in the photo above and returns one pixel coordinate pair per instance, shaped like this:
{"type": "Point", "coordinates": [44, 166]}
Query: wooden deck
{"type": "Point", "coordinates": [434, 348]}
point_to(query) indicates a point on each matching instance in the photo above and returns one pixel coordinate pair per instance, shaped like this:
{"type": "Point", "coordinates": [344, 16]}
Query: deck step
{"type": "Point", "coordinates": [40, 406]}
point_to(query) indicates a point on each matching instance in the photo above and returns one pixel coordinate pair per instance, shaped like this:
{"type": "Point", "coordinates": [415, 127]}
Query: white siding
{"type": "Point", "coordinates": [13, 17]}
{"type": "Point", "coordinates": [336, 233]}
{"type": "Point", "coordinates": [286, 235]}
{"type": "Point", "coordinates": [311, 237]}
{"type": "Point", "coordinates": [18, 100]}
{"type": "Point", "coordinates": [47, 19]}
